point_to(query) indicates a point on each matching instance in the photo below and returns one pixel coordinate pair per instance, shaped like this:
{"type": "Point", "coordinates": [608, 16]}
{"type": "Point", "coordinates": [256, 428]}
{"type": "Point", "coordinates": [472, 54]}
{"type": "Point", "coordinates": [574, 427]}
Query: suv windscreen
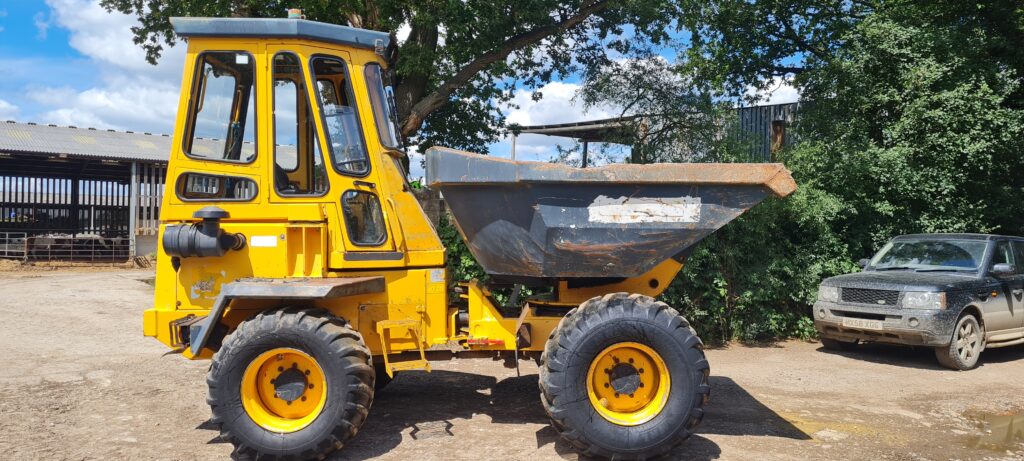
{"type": "Point", "coordinates": [930, 255]}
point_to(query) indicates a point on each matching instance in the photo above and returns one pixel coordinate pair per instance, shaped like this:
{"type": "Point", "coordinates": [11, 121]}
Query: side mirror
{"type": "Point", "coordinates": [863, 263]}
{"type": "Point", "coordinates": [1002, 269]}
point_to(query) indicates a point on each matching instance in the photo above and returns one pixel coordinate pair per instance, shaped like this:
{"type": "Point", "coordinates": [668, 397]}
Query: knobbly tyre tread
{"type": "Point", "coordinates": [346, 346]}
{"type": "Point", "coordinates": [573, 328]}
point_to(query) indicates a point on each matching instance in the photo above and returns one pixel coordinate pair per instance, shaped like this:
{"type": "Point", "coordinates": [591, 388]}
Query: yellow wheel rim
{"type": "Point", "coordinates": [284, 390]}
{"type": "Point", "coordinates": [628, 384]}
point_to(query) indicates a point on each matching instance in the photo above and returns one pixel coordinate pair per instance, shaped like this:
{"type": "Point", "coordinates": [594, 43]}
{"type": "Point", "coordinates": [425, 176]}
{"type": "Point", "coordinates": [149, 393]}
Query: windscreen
{"type": "Point", "coordinates": [930, 255]}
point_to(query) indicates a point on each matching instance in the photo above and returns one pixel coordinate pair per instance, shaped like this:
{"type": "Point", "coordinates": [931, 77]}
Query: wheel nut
{"type": "Point", "coordinates": [280, 368]}
{"type": "Point", "coordinates": [307, 372]}
{"type": "Point", "coordinates": [311, 386]}
{"type": "Point", "coordinates": [608, 370]}
{"type": "Point", "coordinates": [303, 398]}
{"type": "Point", "coordinates": [615, 359]}
{"type": "Point", "coordinates": [606, 385]}
{"type": "Point", "coordinates": [641, 384]}
{"type": "Point", "coordinates": [280, 356]}
{"type": "Point", "coordinates": [630, 395]}
{"type": "Point", "coordinates": [641, 370]}
{"type": "Point", "coordinates": [616, 395]}
{"type": "Point", "coordinates": [630, 360]}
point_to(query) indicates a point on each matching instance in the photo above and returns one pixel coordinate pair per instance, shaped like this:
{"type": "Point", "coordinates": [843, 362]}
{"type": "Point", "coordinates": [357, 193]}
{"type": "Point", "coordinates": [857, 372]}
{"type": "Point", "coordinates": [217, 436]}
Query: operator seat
{"type": "Point", "coordinates": [281, 181]}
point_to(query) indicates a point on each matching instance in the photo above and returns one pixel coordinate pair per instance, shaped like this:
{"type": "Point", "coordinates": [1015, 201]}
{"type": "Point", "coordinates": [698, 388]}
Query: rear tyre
{"type": "Point", "coordinates": [624, 377]}
{"type": "Point", "coordinates": [837, 345]}
{"type": "Point", "coordinates": [290, 384]}
{"type": "Point", "coordinates": [965, 346]}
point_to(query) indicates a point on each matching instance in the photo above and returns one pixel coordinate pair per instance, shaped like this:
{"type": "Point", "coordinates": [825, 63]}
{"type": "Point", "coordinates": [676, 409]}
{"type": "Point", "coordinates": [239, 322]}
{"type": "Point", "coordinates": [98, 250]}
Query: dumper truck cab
{"type": "Point", "coordinates": [295, 256]}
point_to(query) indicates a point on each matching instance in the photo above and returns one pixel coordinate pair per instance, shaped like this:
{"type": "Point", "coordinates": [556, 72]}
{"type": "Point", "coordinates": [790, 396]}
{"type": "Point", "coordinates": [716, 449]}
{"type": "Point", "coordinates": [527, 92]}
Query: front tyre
{"type": "Point", "coordinates": [965, 346]}
{"type": "Point", "coordinates": [290, 384]}
{"type": "Point", "coordinates": [624, 377]}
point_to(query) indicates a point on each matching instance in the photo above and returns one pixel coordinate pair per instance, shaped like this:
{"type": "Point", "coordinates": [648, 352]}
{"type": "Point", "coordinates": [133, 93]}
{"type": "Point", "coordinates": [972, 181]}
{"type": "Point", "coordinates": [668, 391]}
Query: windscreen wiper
{"type": "Point", "coordinates": [892, 268]}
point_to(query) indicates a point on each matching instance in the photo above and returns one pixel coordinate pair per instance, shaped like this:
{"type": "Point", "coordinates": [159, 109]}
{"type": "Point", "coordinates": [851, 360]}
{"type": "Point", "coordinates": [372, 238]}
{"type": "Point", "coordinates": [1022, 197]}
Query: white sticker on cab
{"type": "Point", "coordinates": [268, 241]}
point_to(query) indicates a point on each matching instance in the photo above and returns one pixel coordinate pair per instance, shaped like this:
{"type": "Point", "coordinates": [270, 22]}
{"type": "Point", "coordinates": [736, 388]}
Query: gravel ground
{"type": "Point", "coordinates": [80, 382]}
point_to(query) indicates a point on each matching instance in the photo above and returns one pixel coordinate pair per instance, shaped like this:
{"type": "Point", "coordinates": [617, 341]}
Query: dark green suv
{"type": "Point", "coordinates": [956, 293]}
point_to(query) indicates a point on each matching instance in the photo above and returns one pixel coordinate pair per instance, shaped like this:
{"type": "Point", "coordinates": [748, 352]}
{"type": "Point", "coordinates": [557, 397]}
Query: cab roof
{"type": "Point", "coordinates": [280, 28]}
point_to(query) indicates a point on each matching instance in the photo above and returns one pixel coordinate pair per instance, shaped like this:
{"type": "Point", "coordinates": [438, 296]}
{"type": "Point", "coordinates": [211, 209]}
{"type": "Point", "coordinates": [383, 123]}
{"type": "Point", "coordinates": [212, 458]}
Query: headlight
{"type": "Point", "coordinates": [827, 293]}
{"type": "Point", "coordinates": [924, 300]}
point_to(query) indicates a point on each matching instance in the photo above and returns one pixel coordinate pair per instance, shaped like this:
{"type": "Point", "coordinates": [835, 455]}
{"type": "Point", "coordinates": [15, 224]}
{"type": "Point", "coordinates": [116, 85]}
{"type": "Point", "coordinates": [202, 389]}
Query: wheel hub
{"type": "Point", "coordinates": [283, 390]}
{"type": "Point", "coordinates": [624, 378]}
{"type": "Point", "coordinates": [290, 384]}
{"type": "Point", "coordinates": [628, 383]}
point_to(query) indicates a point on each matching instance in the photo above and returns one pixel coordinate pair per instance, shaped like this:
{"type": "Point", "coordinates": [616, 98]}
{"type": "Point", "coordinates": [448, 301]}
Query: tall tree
{"type": "Point", "coordinates": [462, 59]}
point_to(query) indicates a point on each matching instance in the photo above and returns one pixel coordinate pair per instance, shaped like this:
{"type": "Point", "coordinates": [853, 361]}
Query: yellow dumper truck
{"type": "Point", "coordinates": [295, 256]}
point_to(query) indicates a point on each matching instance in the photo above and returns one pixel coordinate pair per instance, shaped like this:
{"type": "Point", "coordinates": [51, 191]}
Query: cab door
{"type": "Point", "coordinates": [363, 238]}
{"type": "Point", "coordinates": [1003, 313]}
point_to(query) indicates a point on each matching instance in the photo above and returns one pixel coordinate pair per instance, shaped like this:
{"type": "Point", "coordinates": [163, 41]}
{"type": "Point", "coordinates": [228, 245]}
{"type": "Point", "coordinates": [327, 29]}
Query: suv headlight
{"type": "Point", "coordinates": [827, 293]}
{"type": "Point", "coordinates": [924, 300]}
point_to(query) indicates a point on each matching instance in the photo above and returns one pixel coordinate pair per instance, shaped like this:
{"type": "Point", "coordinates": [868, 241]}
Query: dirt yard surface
{"type": "Point", "coordinates": [80, 382]}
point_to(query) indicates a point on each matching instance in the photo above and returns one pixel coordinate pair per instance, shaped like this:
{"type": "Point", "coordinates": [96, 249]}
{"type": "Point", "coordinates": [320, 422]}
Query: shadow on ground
{"type": "Point", "coordinates": [440, 405]}
{"type": "Point", "coordinates": [920, 357]}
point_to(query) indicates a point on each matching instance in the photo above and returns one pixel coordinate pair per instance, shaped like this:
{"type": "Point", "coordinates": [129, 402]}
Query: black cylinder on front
{"type": "Point", "coordinates": [201, 239]}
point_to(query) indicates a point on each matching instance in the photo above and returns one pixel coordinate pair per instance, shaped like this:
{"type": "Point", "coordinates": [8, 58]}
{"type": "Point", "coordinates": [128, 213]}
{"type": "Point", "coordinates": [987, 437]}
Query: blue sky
{"type": "Point", "coordinates": [70, 62]}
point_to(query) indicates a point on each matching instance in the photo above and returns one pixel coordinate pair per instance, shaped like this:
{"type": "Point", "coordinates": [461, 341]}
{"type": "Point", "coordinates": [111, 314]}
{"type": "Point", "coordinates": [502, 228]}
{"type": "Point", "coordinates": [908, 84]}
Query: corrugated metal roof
{"type": "Point", "coordinates": [83, 142]}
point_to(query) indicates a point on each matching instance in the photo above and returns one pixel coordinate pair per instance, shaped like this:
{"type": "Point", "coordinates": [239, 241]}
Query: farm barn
{"type": "Point", "coordinates": [79, 194]}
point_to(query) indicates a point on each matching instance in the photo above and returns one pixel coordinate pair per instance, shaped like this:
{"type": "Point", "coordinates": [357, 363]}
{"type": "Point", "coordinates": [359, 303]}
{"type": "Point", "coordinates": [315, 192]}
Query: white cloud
{"type": "Point", "coordinates": [779, 91]}
{"type": "Point", "coordinates": [106, 37]}
{"type": "Point", "coordinates": [128, 93]}
{"type": "Point", "coordinates": [416, 169]}
{"type": "Point", "coordinates": [8, 111]}
{"type": "Point", "coordinates": [402, 34]}
{"type": "Point", "coordinates": [42, 25]}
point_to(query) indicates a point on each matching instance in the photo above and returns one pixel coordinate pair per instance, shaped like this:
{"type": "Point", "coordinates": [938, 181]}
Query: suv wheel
{"type": "Point", "coordinates": [965, 347]}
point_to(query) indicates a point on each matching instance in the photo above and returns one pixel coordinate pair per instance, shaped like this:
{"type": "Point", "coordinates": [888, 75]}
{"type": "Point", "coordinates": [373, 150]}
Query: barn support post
{"type": "Point", "coordinates": [133, 210]}
{"type": "Point", "coordinates": [76, 226]}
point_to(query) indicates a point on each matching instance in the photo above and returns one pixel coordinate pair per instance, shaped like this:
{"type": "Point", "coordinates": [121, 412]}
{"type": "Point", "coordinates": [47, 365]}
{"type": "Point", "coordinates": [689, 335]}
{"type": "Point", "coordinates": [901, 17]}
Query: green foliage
{"type": "Point", "coordinates": [913, 121]}
{"type": "Point", "coordinates": [461, 265]}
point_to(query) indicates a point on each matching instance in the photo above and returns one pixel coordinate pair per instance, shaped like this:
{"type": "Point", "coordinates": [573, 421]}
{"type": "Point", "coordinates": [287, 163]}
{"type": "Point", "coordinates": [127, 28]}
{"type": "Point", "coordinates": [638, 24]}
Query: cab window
{"type": "Point", "coordinates": [298, 163]}
{"type": "Point", "coordinates": [340, 117]}
{"type": "Point", "coordinates": [363, 218]}
{"type": "Point", "coordinates": [382, 100]}
{"type": "Point", "coordinates": [221, 121]}
{"type": "Point", "coordinates": [214, 188]}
